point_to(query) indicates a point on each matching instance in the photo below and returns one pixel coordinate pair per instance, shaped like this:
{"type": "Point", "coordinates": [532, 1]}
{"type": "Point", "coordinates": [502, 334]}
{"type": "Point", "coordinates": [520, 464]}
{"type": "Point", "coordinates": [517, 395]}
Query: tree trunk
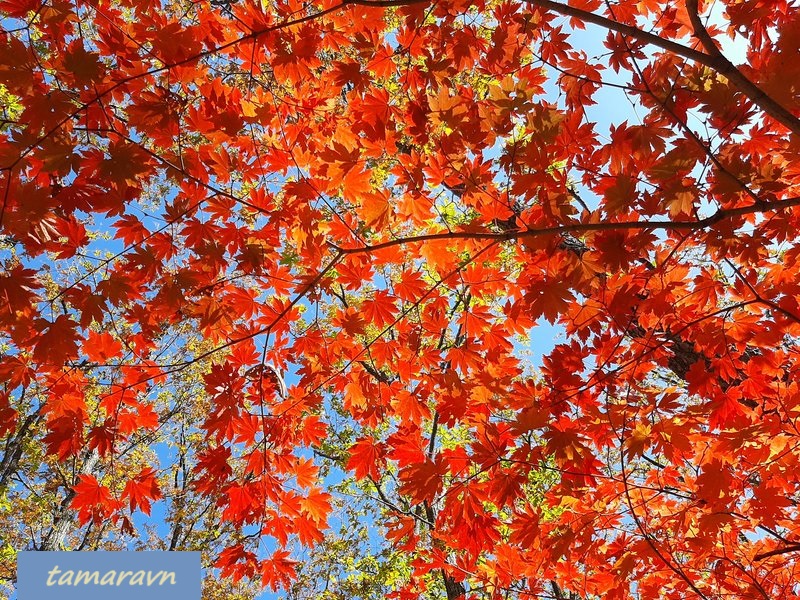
{"type": "Point", "coordinates": [64, 519]}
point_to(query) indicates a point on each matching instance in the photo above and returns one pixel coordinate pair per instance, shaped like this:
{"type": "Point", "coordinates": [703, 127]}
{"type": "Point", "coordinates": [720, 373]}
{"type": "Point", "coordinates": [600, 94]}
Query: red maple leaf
{"type": "Point", "coordinates": [57, 341]}
{"type": "Point", "coordinates": [421, 482]}
{"type": "Point", "coordinates": [93, 500]}
{"type": "Point", "coordinates": [141, 490]}
{"type": "Point", "coordinates": [367, 458]}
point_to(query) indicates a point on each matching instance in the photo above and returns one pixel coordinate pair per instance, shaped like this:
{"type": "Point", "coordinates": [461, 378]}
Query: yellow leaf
{"type": "Point", "coordinates": [638, 439]}
{"type": "Point", "coordinates": [248, 108]}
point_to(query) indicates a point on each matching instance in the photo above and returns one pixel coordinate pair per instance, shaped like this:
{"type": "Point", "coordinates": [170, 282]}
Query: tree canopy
{"type": "Point", "coordinates": [274, 276]}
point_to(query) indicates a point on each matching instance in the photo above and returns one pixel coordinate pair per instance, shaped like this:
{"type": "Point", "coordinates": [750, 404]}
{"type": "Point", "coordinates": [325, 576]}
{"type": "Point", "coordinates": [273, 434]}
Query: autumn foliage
{"type": "Point", "coordinates": [387, 203]}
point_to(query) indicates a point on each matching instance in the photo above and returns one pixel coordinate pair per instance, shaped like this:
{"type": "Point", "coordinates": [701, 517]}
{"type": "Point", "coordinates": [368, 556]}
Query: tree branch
{"type": "Point", "coordinates": [634, 32]}
{"type": "Point", "coordinates": [720, 215]}
{"type": "Point", "coordinates": [725, 67]}
{"type": "Point", "coordinates": [786, 550]}
{"type": "Point", "coordinates": [712, 58]}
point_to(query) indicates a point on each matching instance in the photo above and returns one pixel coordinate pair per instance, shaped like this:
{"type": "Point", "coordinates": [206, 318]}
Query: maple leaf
{"type": "Point", "coordinates": [57, 342]}
{"type": "Point", "coordinates": [406, 447]}
{"type": "Point", "coordinates": [375, 207]}
{"type": "Point", "coordinates": [65, 435]}
{"type": "Point", "coordinates": [380, 309]}
{"type": "Point", "coordinates": [351, 321]}
{"type": "Point", "coordinates": [422, 481]}
{"type": "Point", "coordinates": [316, 505]}
{"type": "Point", "coordinates": [240, 503]}
{"type": "Point", "coordinates": [638, 439]}
{"type": "Point", "coordinates": [549, 299]}
{"type": "Point", "coordinates": [8, 416]}
{"type": "Point", "coordinates": [355, 399]}
{"type": "Point", "coordinates": [123, 164]}
{"type": "Point", "coordinates": [141, 490]}
{"type": "Point", "coordinates": [712, 483]}
{"type": "Point", "coordinates": [410, 408]}
{"type": "Point", "coordinates": [305, 472]}
{"type": "Point", "coordinates": [366, 458]}
{"type": "Point", "coordinates": [93, 500]}
{"type": "Point", "coordinates": [102, 439]}
{"type": "Point", "coordinates": [100, 347]}
{"type": "Point", "coordinates": [278, 570]}
{"type": "Point", "coordinates": [130, 230]}
{"type": "Point", "coordinates": [16, 370]}
{"type": "Point", "coordinates": [84, 65]}
{"type": "Point", "coordinates": [309, 532]}
{"type": "Point", "coordinates": [236, 562]}
{"type": "Point", "coordinates": [314, 430]}
{"type": "Point", "coordinates": [17, 287]}
{"type": "Point", "coordinates": [18, 8]}
{"type": "Point", "coordinates": [411, 286]}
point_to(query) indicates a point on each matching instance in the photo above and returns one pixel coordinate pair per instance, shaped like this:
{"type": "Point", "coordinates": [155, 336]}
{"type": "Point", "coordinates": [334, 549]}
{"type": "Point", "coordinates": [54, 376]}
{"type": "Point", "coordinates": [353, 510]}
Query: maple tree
{"type": "Point", "coordinates": [384, 200]}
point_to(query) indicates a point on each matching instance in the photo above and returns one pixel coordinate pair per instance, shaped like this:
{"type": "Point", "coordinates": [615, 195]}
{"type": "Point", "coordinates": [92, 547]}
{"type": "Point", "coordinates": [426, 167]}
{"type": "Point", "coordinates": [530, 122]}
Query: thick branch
{"type": "Point", "coordinates": [725, 67]}
{"type": "Point", "coordinates": [712, 58]}
{"type": "Point", "coordinates": [54, 540]}
{"type": "Point", "coordinates": [634, 32]}
{"type": "Point", "coordinates": [13, 451]}
{"type": "Point", "coordinates": [720, 215]}
{"type": "Point", "coordinates": [786, 550]}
